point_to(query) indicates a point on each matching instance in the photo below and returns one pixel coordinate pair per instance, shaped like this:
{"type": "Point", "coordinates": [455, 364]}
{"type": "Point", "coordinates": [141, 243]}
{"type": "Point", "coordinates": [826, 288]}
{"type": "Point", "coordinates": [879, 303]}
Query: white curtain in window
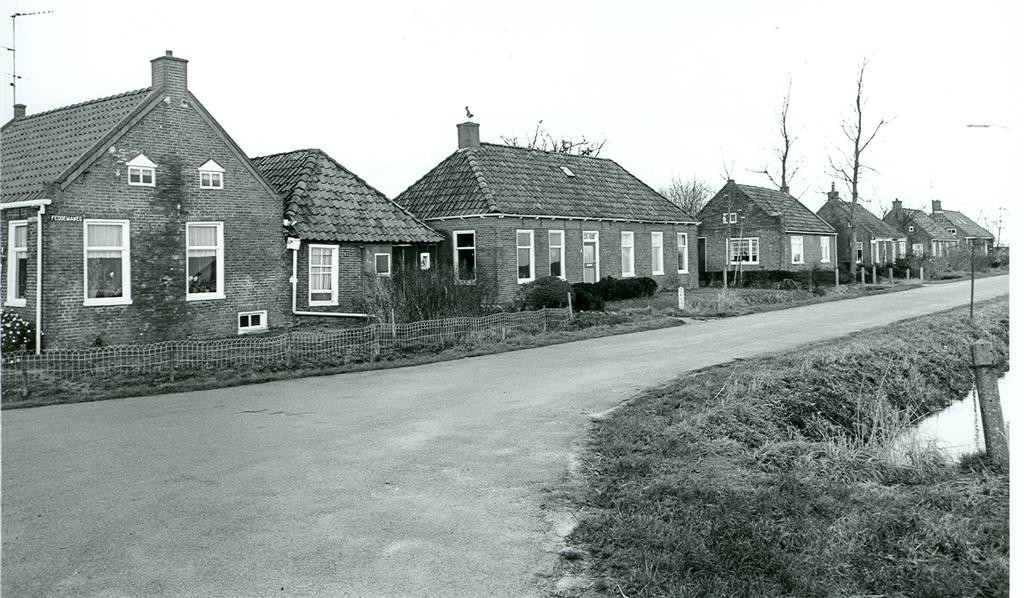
{"type": "Point", "coordinates": [320, 267]}
{"type": "Point", "coordinates": [104, 235]}
{"type": "Point", "coordinates": [21, 237]}
{"type": "Point", "coordinates": [202, 241]}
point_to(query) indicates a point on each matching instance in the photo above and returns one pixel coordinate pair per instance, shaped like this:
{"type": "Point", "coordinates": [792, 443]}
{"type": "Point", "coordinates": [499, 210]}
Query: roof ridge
{"type": "Point", "coordinates": [481, 181]}
{"type": "Point", "coordinates": [294, 151]}
{"type": "Point", "coordinates": [652, 189]}
{"type": "Point", "coordinates": [80, 104]}
{"type": "Point", "coordinates": [534, 149]}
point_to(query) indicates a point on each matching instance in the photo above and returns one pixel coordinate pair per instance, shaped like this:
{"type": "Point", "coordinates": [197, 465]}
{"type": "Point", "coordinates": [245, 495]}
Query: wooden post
{"type": "Point", "coordinates": [837, 277]}
{"type": "Point", "coordinates": [174, 358]}
{"type": "Point", "coordinates": [908, 274]}
{"type": "Point", "coordinates": [874, 274]}
{"type": "Point", "coordinates": [863, 276]}
{"type": "Point", "coordinates": [988, 403]}
{"type": "Point", "coordinates": [890, 275]}
{"type": "Point", "coordinates": [972, 279]}
{"type": "Point", "coordinates": [569, 294]}
{"type": "Point", "coordinates": [23, 362]}
{"type": "Point", "coordinates": [922, 273]}
{"type": "Point", "coordinates": [681, 296]}
{"type": "Point", "coordinates": [725, 277]}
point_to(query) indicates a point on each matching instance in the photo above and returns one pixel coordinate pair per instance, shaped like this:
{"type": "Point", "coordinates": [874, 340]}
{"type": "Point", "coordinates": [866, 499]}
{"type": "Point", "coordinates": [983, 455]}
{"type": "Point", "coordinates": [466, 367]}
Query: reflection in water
{"type": "Point", "coordinates": [956, 430]}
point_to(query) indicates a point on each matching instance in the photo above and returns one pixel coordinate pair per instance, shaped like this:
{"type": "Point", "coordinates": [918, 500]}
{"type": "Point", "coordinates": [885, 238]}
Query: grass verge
{"type": "Point", "coordinates": [775, 476]}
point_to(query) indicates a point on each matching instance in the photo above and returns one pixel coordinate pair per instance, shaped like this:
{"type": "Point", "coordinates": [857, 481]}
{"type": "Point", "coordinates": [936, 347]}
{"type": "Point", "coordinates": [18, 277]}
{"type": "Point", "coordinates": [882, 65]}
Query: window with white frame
{"type": "Point", "coordinates": [682, 253]}
{"type": "Point", "coordinates": [860, 251]}
{"type": "Point", "coordinates": [524, 256]}
{"type": "Point", "coordinates": [951, 230]}
{"type": "Point", "coordinates": [465, 255]}
{"type": "Point", "coordinates": [796, 249]}
{"type": "Point", "coordinates": [141, 171]}
{"type": "Point", "coordinates": [211, 176]}
{"type": "Point", "coordinates": [745, 250]}
{"type": "Point", "coordinates": [910, 228]}
{"type": "Point", "coordinates": [917, 249]}
{"type": "Point", "coordinates": [657, 252]}
{"type": "Point", "coordinates": [204, 268]}
{"type": "Point", "coordinates": [107, 262]}
{"type": "Point", "coordinates": [252, 321]}
{"type": "Point", "coordinates": [17, 263]}
{"type": "Point", "coordinates": [556, 253]}
{"type": "Point", "coordinates": [875, 252]}
{"type": "Point", "coordinates": [826, 249]}
{"type": "Point", "coordinates": [382, 264]}
{"type": "Point", "coordinates": [628, 261]}
{"type": "Point", "coordinates": [903, 248]}
{"type": "Point", "coordinates": [424, 261]}
{"type": "Point", "coordinates": [323, 275]}
{"type": "Point", "coordinates": [729, 218]}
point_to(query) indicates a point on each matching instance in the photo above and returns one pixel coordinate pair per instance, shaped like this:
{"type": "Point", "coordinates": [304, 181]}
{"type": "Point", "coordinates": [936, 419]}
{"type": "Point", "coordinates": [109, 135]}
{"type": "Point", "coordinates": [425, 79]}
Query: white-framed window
{"type": "Point", "coordinates": [465, 255]}
{"type": "Point", "coordinates": [556, 253]}
{"type": "Point", "coordinates": [211, 175]}
{"type": "Point", "coordinates": [382, 264]}
{"type": "Point", "coordinates": [682, 253]}
{"type": "Point", "coordinates": [323, 275]}
{"type": "Point", "coordinates": [796, 249]}
{"type": "Point", "coordinates": [107, 262]}
{"type": "Point", "coordinates": [524, 256]}
{"type": "Point", "coordinates": [657, 252]}
{"type": "Point", "coordinates": [910, 228]}
{"type": "Point", "coordinates": [951, 230]}
{"type": "Point", "coordinates": [204, 267]}
{"type": "Point", "coordinates": [745, 250]}
{"type": "Point", "coordinates": [628, 261]}
{"type": "Point", "coordinates": [425, 261]}
{"type": "Point", "coordinates": [141, 171]}
{"type": "Point", "coordinates": [903, 248]}
{"type": "Point", "coordinates": [825, 243]}
{"type": "Point", "coordinates": [252, 321]}
{"type": "Point", "coordinates": [917, 249]}
{"type": "Point", "coordinates": [860, 251]}
{"type": "Point", "coordinates": [729, 218]}
{"type": "Point", "coordinates": [17, 263]}
{"type": "Point", "coordinates": [875, 252]}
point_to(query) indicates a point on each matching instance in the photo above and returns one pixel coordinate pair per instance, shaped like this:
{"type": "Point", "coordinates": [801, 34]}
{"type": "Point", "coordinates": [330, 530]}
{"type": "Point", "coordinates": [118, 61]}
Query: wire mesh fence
{"type": "Point", "coordinates": [291, 349]}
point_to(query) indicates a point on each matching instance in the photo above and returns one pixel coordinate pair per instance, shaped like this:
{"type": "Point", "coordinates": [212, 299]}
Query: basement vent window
{"type": "Point", "coordinates": [141, 172]}
{"type": "Point", "coordinates": [252, 321]}
{"type": "Point", "coordinates": [568, 172]}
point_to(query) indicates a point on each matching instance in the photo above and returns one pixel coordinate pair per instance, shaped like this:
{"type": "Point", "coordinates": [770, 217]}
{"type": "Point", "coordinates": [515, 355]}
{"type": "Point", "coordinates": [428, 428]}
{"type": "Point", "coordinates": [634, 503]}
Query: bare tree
{"type": "Point", "coordinates": [999, 223]}
{"type": "Point", "coordinates": [542, 139]}
{"type": "Point", "coordinates": [850, 166]}
{"type": "Point", "coordinates": [783, 152]}
{"type": "Point", "coordinates": [689, 195]}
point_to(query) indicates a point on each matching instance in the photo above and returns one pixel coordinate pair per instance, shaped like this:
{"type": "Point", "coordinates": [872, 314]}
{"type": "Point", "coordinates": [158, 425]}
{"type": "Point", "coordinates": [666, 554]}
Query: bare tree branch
{"type": "Point", "coordinates": [543, 139]}
{"type": "Point", "coordinates": [690, 195]}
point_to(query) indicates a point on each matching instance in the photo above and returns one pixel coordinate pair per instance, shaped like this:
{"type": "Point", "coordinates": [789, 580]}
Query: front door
{"type": "Point", "coordinates": [702, 254]}
{"type": "Point", "coordinates": [591, 256]}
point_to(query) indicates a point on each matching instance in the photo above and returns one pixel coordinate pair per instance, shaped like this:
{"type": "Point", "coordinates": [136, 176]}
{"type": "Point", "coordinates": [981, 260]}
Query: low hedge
{"type": "Point", "coordinates": [773, 279]}
{"type": "Point", "coordinates": [610, 288]}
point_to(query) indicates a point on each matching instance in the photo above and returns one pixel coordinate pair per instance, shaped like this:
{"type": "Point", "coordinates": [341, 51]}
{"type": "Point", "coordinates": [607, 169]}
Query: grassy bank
{"type": "Point", "coordinates": [774, 476]}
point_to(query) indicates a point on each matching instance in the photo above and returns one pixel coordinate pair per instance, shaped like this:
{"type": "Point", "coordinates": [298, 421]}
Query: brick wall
{"type": "Point", "coordinates": [496, 249]}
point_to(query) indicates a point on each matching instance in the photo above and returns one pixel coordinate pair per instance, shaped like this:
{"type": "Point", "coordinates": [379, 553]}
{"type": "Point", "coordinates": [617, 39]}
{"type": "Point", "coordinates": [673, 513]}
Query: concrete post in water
{"type": "Point", "coordinates": [890, 275]}
{"type": "Point", "coordinates": [874, 274]}
{"type": "Point", "coordinates": [682, 298]}
{"type": "Point", "coordinates": [988, 402]}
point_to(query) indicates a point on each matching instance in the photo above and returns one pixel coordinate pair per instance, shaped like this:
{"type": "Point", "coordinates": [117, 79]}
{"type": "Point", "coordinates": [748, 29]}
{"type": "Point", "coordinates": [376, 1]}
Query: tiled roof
{"type": "Point", "coordinates": [36, 149]}
{"type": "Point", "coordinates": [795, 216]}
{"type": "Point", "coordinates": [969, 227]}
{"type": "Point", "coordinates": [875, 226]}
{"type": "Point", "coordinates": [929, 226]}
{"type": "Point", "coordinates": [329, 203]}
{"type": "Point", "coordinates": [510, 180]}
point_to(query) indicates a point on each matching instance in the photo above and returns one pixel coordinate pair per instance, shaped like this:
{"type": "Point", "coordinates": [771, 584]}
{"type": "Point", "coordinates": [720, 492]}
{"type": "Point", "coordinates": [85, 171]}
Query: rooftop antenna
{"type": "Point", "coordinates": [14, 54]}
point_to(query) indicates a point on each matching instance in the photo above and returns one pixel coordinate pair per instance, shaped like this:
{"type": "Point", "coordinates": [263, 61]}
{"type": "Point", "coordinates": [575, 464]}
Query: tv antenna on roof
{"type": "Point", "coordinates": [14, 54]}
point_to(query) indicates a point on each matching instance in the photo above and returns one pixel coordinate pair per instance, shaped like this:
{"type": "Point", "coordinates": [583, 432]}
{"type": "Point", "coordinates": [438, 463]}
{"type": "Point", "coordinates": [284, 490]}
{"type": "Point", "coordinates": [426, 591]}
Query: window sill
{"type": "Point", "coordinates": [333, 303]}
{"type": "Point", "coordinates": [630, 275]}
{"type": "Point", "coordinates": [524, 280]}
{"type": "Point", "coordinates": [107, 301]}
{"type": "Point", "coordinates": [682, 271]}
{"type": "Point", "coordinates": [252, 330]}
{"type": "Point", "coordinates": [142, 184]}
{"type": "Point", "coordinates": [662, 273]}
{"type": "Point", "coordinates": [204, 296]}
{"type": "Point", "coordinates": [16, 303]}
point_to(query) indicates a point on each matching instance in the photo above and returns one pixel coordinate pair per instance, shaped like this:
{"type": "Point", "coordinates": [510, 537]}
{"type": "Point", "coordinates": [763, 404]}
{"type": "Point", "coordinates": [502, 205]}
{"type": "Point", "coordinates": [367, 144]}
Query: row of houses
{"type": "Point", "coordinates": [136, 218]}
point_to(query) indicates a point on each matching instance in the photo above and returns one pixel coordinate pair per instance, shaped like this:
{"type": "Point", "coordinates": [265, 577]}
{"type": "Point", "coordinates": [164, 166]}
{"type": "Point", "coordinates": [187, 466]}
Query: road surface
{"type": "Point", "coordinates": [419, 481]}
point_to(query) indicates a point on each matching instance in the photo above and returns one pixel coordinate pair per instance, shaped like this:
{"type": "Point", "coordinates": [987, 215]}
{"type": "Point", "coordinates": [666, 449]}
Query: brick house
{"type": "Point", "coordinates": [925, 237]}
{"type": "Point", "coordinates": [346, 228]}
{"type": "Point", "coordinates": [878, 243]}
{"type": "Point", "coordinates": [966, 230]}
{"type": "Point", "coordinates": [513, 215]}
{"type": "Point", "coordinates": [755, 228]}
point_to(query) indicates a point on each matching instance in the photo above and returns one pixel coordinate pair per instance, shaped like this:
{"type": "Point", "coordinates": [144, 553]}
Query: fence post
{"type": "Point", "coordinates": [874, 274]}
{"type": "Point", "coordinates": [837, 276]}
{"type": "Point", "coordinates": [569, 294]}
{"type": "Point", "coordinates": [725, 277]}
{"type": "Point", "coordinates": [174, 358]}
{"type": "Point", "coordinates": [922, 273]}
{"type": "Point", "coordinates": [890, 275]}
{"type": "Point", "coordinates": [681, 296]}
{"type": "Point", "coordinates": [908, 274]}
{"type": "Point", "coordinates": [863, 275]}
{"type": "Point", "coordinates": [988, 403]}
{"type": "Point", "coordinates": [375, 342]}
{"type": "Point", "coordinates": [288, 351]}
{"type": "Point", "coordinates": [23, 362]}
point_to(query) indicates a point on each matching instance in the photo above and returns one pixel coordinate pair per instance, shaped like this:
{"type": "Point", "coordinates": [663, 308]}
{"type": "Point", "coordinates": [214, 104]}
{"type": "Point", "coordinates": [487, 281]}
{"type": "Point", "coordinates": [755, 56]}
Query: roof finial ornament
{"type": "Point", "coordinates": [468, 113]}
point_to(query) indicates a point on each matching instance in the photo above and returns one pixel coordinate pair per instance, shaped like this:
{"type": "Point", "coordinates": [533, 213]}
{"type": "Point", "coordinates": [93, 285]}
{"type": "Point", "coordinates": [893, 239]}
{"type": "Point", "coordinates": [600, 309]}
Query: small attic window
{"type": "Point", "coordinates": [211, 175]}
{"type": "Point", "coordinates": [568, 172]}
{"type": "Point", "coordinates": [910, 228]}
{"type": "Point", "coordinates": [141, 172]}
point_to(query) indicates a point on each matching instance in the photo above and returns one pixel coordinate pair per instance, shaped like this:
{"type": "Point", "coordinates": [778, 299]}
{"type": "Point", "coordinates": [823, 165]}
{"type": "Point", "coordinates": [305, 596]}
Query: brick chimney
{"type": "Point", "coordinates": [171, 74]}
{"type": "Point", "coordinates": [784, 189]}
{"type": "Point", "coordinates": [469, 134]}
{"type": "Point", "coordinates": [897, 205]}
{"type": "Point", "coordinates": [19, 110]}
{"type": "Point", "coordinates": [833, 194]}
{"type": "Point", "coordinates": [936, 206]}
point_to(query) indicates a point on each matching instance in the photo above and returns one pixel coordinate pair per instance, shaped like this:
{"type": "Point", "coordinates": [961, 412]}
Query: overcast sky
{"type": "Point", "coordinates": [686, 91]}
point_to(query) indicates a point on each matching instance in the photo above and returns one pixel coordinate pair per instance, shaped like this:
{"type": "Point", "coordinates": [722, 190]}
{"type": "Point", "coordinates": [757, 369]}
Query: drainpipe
{"type": "Point", "coordinates": [293, 244]}
{"type": "Point", "coordinates": [41, 205]}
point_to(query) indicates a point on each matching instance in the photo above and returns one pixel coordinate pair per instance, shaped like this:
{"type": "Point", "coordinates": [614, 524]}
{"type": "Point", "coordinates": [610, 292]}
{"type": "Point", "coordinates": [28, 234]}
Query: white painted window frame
{"type": "Point", "coordinates": [917, 249]}
{"type": "Point", "coordinates": [126, 263]}
{"type": "Point", "coordinates": [733, 218]}
{"type": "Point", "coordinates": [13, 253]}
{"type": "Point", "coordinates": [859, 248]}
{"type": "Point", "coordinates": [375, 256]}
{"type": "Point", "coordinates": [623, 235]}
{"type": "Point", "coordinates": [142, 165]}
{"type": "Point", "coordinates": [219, 293]}
{"type": "Point", "coordinates": [794, 242]}
{"type": "Point", "coordinates": [657, 250]}
{"type": "Point", "coordinates": [902, 248]}
{"type": "Point", "coordinates": [825, 248]}
{"type": "Point", "coordinates": [212, 169]}
{"type": "Point", "coordinates": [561, 250]}
{"type": "Point", "coordinates": [251, 329]}
{"type": "Point", "coordinates": [533, 256]}
{"type": "Point", "coordinates": [455, 255]}
{"type": "Point", "coordinates": [750, 250]}
{"type": "Point", "coordinates": [683, 242]}
{"type": "Point", "coordinates": [333, 272]}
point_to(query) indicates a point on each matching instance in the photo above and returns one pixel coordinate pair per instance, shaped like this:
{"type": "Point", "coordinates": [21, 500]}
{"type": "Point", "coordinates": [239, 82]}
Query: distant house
{"type": "Point", "coordinates": [878, 243]}
{"type": "Point", "coordinates": [762, 229]}
{"type": "Point", "coordinates": [347, 229]}
{"type": "Point", "coordinates": [513, 215]}
{"type": "Point", "coordinates": [967, 231]}
{"type": "Point", "coordinates": [926, 237]}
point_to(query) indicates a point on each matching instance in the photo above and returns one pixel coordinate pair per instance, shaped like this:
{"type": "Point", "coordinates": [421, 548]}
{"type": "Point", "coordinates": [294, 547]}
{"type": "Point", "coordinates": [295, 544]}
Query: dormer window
{"type": "Point", "coordinates": [141, 172]}
{"type": "Point", "coordinates": [211, 176]}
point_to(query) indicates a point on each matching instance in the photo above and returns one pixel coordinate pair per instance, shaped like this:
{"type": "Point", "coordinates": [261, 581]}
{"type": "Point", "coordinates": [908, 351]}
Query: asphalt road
{"type": "Point", "coordinates": [420, 481]}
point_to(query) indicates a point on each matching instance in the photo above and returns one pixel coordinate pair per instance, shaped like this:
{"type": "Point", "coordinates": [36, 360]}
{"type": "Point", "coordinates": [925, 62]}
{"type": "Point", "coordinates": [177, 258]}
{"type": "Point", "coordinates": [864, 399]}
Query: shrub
{"type": "Point", "coordinates": [17, 334]}
{"type": "Point", "coordinates": [585, 299]}
{"type": "Point", "coordinates": [548, 291]}
{"type": "Point", "coordinates": [770, 279]}
{"type": "Point", "coordinates": [614, 289]}
{"type": "Point", "coordinates": [789, 284]}
{"type": "Point", "coordinates": [414, 295]}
